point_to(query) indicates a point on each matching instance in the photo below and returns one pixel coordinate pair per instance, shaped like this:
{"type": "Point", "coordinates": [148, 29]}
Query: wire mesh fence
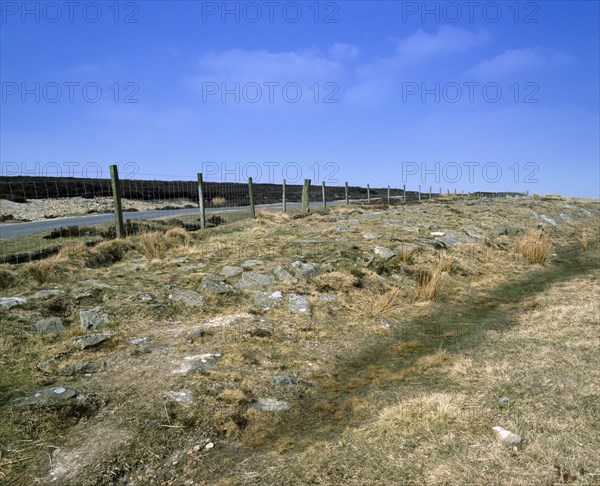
{"type": "Point", "coordinates": [39, 215]}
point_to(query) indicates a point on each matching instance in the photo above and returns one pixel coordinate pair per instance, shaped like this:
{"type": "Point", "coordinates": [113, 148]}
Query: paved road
{"type": "Point", "coordinates": [17, 230]}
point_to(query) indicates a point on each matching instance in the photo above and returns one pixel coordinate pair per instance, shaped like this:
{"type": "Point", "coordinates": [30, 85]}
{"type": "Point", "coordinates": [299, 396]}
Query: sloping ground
{"type": "Point", "coordinates": [380, 356]}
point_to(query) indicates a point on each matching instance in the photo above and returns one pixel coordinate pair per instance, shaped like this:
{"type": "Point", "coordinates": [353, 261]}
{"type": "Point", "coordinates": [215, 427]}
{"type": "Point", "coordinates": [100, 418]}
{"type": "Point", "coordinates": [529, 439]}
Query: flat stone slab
{"type": "Point", "coordinates": [371, 236]}
{"type": "Point", "coordinates": [270, 405]}
{"type": "Point", "coordinates": [188, 297]}
{"type": "Point", "coordinates": [302, 269]}
{"type": "Point", "coordinates": [254, 281]}
{"type": "Point", "coordinates": [283, 380]}
{"type": "Point", "coordinates": [50, 325]}
{"type": "Point", "coordinates": [284, 276]}
{"type": "Point", "coordinates": [231, 271]}
{"type": "Point", "coordinates": [252, 263]}
{"type": "Point", "coordinates": [565, 217]}
{"type": "Point", "coordinates": [97, 285]}
{"type": "Point", "coordinates": [46, 294]}
{"type": "Point", "coordinates": [9, 302]}
{"type": "Point", "coordinates": [216, 286]}
{"type": "Point", "coordinates": [330, 298]}
{"type": "Point", "coordinates": [52, 396]}
{"type": "Point", "coordinates": [201, 363]}
{"type": "Point", "coordinates": [184, 398]}
{"type": "Point", "coordinates": [267, 300]}
{"type": "Point", "coordinates": [92, 340]}
{"type": "Point", "coordinates": [299, 304]}
{"type": "Point", "coordinates": [383, 252]}
{"type": "Point", "coordinates": [93, 318]}
{"type": "Point", "coordinates": [506, 435]}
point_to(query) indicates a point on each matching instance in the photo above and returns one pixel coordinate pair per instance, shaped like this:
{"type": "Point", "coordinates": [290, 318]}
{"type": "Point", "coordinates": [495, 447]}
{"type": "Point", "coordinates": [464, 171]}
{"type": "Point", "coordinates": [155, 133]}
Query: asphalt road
{"type": "Point", "coordinates": [17, 230]}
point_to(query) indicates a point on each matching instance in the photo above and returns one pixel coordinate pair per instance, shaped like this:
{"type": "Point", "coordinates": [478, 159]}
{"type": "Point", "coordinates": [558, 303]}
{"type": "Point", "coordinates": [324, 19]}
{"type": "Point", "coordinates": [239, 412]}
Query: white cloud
{"type": "Point", "coordinates": [341, 51]}
{"type": "Point", "coordinates": [516, 61]}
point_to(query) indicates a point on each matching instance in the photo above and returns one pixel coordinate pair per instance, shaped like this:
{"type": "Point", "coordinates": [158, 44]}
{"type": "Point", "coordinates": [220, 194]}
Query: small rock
{"type": "Point", "coordinates": [503, 230]}
{"type": "Point", "coordinates": [302, 269]}
{"type": "Point", "coordinates": [195, 334]}
{"type": "Point", "coordinates": [284, 276]}
{"type": "Point", "coordinates": [267, 300]}
{"type": "Point", "coordinates": [437, 233]}
{"type": "Point", "coordinates": [97, 285]}
{"type": "Point", "coordinates": [507, 436]}
{"type": "Point", "coordinates": [202, 363]}
{"type": "Point", "coordinates": [230, 271]}
{"type": "Point", "coordinates": [182, 397]}
{"type": "Point", "coordinates": [383, 252]}
{"type": "Point", "coordinates": [92, 340]}
{"type": "Point", "coordinates": [209, 446]}
{"type": "Point", "coordinates": [371, 236]}
{"type": "Point", "coordinates": [50, 325]}
{"type": "Point", "coordinates": [9, 302]}
{"type": "Point", "coordinates": [52, 396]}
{"type": "Point", "coordinates": [252, 263]}
{"type": "Point", "coordinates": [300, 304]}
{"type": "Point", "coordinates": [216, 286]}
{"type": "Point", "coordinates": [504, 401]}
{"type": "Point", "coordinates": [474, 234]}
{"type": "Point", "coordinates": [586, 212]}
{"type": "Point", "coordinates": [188, 297]}
{"type": "Point", "coordinates": [270, 405]}
{"type": "Point", "coordinates": [448, 241]}
{"type": "Point", "coordinates": [77, 369]}
{"type": "Point", "coordinates": [284, 380]}
{"type": "Point", "coordinates": [328, 298]}
{"type": "Point", "coordinates": [566, 217]}
{"type": "Point", "coordinates": [93, 318]}
{"type": "Point", "coordinates": [410, 229]}
{"type": "Point", "coordinates": [143, 297]}
{"type": "Point", "coordinates": [46, 294]}
{"type": "Point", "coordinates": [254, 281]}
{"type": "Point", "coordinates": [547, 219]}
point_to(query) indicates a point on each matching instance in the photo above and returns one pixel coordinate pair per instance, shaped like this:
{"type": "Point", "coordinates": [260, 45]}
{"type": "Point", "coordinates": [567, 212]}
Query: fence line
{"type": "Point", "coordinates": [94, 209]}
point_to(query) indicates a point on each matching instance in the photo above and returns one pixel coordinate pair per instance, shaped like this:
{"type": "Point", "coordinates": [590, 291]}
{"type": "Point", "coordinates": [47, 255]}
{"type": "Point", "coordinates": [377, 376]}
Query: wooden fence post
{"type": "Point", "coordinates": [201, 201]}
{"type": "Point", "coordinates": [347, 200]}
{"type": "Point", "coordinates": [388, 195]}
{"type": "Point", "coordinates": [368, 194]}
{"type": "Point", "coordinates": [251, 196]}
{"type": "Point", "coordinates": [116, 190]}
{"type": "Point", "coordinates": [419, 192]}
{"type": "Point", "coordinates": [404, 191]}
{"type": "Point", "coordinates": [283, 196]}
{"type": "Point", "coordinates": [305, 196]}
{"type": "Point", "coordinates": [429, 192]}
{"type": "Point", "coordinates": [324, 198]}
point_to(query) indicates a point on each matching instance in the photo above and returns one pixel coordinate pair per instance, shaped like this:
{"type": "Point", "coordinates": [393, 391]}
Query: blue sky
{"type": "Point", "coordinates": [481, 95]}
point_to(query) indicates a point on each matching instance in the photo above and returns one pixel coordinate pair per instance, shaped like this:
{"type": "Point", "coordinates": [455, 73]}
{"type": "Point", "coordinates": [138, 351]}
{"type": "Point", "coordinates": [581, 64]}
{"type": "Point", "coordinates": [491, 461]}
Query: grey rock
{"type": "Point", "coordinates": [283, 380]}
{"type": "Point", "coordinates": [188, 297]}
{"type": "Point", "coordinates": [504, 401]}
{"type": "Point", "coordinates": [449, 241]}
{"type": "Point", "coordinates": [46, 294]}
{"type": "Point", "coordinates": [230, 271]}
{"type": "Point", "coordinates": [254, 281]}
{"type": "Point", "coordinates": [410, 229]}
{"type": "Point", "coordinates": [309, 242]}
{"type": "Point", "coordinates": [506, 435]}
{"type": "Point", "coordinates": [195, 334]}
{"type": "Point", "coordinates": [267, 300]}
{"type": "Point", "coordinates": [216, 286]}
{"type": "Point", "coordinates": [78, 369]}
{"type": "Point", "coordinates": [143, 297]}
{"type": "Point", "coordinates": [91, 340]}
{"type": "Point", "coordinates": [383, 252]}
{"type": "Point", "coordinates": [52, 396]}
{"type": "Point", "coordinates": [586, 212]}
{"type": "Point", "coordinates": [184, 398]}
{"type": "Point", "coordinates": [566, 217]}
{"type": "Point", "coordinates": [50, 325]}
{"type": "Point", "coordinates": [252, 263]}
{"type": "Point", "coordinates": [547, 219]}
{"type": "Point", "coordinates": [371, 236]}
{"type": "Point", "coordinates": [342, 229]}
{"type": "Point", "coordinates": [328, 298]}
{"type": "Point", "coordinates": [202, 363]}
{"type": "Point", "coordinates": [504, 230]}
{"type": "Point", "coordinates": [302, 269]}
{"type": "Point", "coordinates": [93, 318]}
{"type": "Point", "coordinates": [145, 345]}
{"type": "Point", "coordinates": [474, 234]}
{"type": "Point", "coordinates": [300, 304]}
{"type": "Point", "coordinates": [97, 285]}
{"type": "Point", "coordinates": [284, 276]}
{"type": "Point", "coordinates": [270, 405]}
{"type": "Point", "coordinates": [192, 268]}
{"type": "Point", "coordinates": [9, 302]}
{"type": "Point", "coordinates": [46, 364]}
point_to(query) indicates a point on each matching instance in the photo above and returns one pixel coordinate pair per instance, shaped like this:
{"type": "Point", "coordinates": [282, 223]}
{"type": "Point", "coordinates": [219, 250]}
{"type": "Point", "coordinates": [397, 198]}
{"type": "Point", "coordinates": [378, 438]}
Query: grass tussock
{"type": "Point", "coordinates": [177, 236]}
{"type": "Point", "coordinates": [273, 216]}
{"type": "Point", "coordinates": [430, 283]}
{"type": "Point", "coordinates": [218, 202]}
{"type": "Point", "coordinates": [7, 278]}
{"type": "Point", "coordinates": [153, 244]}
{"type": "Point", "coordinates": [336, 281]}
{"type": "Point", "coordinates": [375, 305]}
{"type": "Point", "coordinates": [535, 246]}
{"type": "Point", "coordinates": [108, 252]}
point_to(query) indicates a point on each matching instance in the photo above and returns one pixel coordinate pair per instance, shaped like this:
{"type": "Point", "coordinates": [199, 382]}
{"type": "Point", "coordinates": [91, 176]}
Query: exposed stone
{"type": "Point", "coordinates": [437, 233]}
{"type": "Point", "coordinates": [371, 236]}
{"type": "Point", "coordinates": [252, 263]}
{"type": "Point", "coordinates": [46, 294]}
{"type": "Point", "coordinates": [284, 276]}
{"type": "Point", "coordinates": [77, 369]}
{"type": "Point", "coordinates": [145, 345]}
{"type": "Point", "coordinates": [267, 300]}
{"type": "Point", "coordinates": [195, 334]}
{"type": "Point", "coordinates": [548, 219]}
{"type": "Point", "coordinates": [92, 340]}
{"type": "Point", "coordinates": [50, 325]}
{"type": "Point", "coordinates": [143, 297]}
{"type": "Point", "coordinates": [93, 318]}
{"type": "Point", "coordinates": [328, 298]}
{"type": "Point", "coordinates": [202, 363]}
{"type": "Point", "coordinates": [283, 380]}
{"type": "Point", "coordinates": [504, 401]}
{"type": "Point", "coordinates": [216, 286]}
{"type": "Point", "coordinates": [302, 269]}
{"type": "Point", "coordinates": [504, 230]}
{"type": "Point", "coordinates": [9, 302]}
{"type": "Point", "coordinates": [254, 281]}
{"type": "Point", "coordinates": [52, 396]}
{"type": "Point", "coordinates": [97, 285]}
{"type": "Point", "coordinates": [230, 271]}
{"type": "Point", "coordinates": [383, 252]}
{"type": "Point", "coordinates": [270, 405]}
{"type": "Point", "coordinates": [410, 229]}
{"type": "Point", "coordinates": [448, 241]}
{"type": "Point", "coordinates": [506, 436]}
{"type": "Point", "coordinates": [188, 297]}
{"type": "Point", "coordinates": [566, 217]}
{"type": "Point", "coordinates": [184, 398]}
{"type": "Point", "coordinates": [474, 234]}
{"type": "Point", "coordinates": [299, 303]}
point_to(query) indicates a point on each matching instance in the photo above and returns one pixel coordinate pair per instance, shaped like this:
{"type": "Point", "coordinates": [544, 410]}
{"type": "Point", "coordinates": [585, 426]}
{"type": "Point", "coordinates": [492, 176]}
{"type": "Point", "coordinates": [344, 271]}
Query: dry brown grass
{"type": "Point", "coordinates": [376, 305]}
{"type": "Point", "coordinates": [336, 281]}
{"type": "Point", "coordinates": [535, 246]}
{"type": "Point", "coordinates": [7, 278]}
{"type": "Point", "coordinates": [273, 216]}
{"type": "Point", "coordinates": [177, 236]}
{"type": "Point", "coordinates": [218, 202]}
{"type": "Point", "coordinates": [431, 283]}
{"type": "Point", "coordinates": [153, 244]}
